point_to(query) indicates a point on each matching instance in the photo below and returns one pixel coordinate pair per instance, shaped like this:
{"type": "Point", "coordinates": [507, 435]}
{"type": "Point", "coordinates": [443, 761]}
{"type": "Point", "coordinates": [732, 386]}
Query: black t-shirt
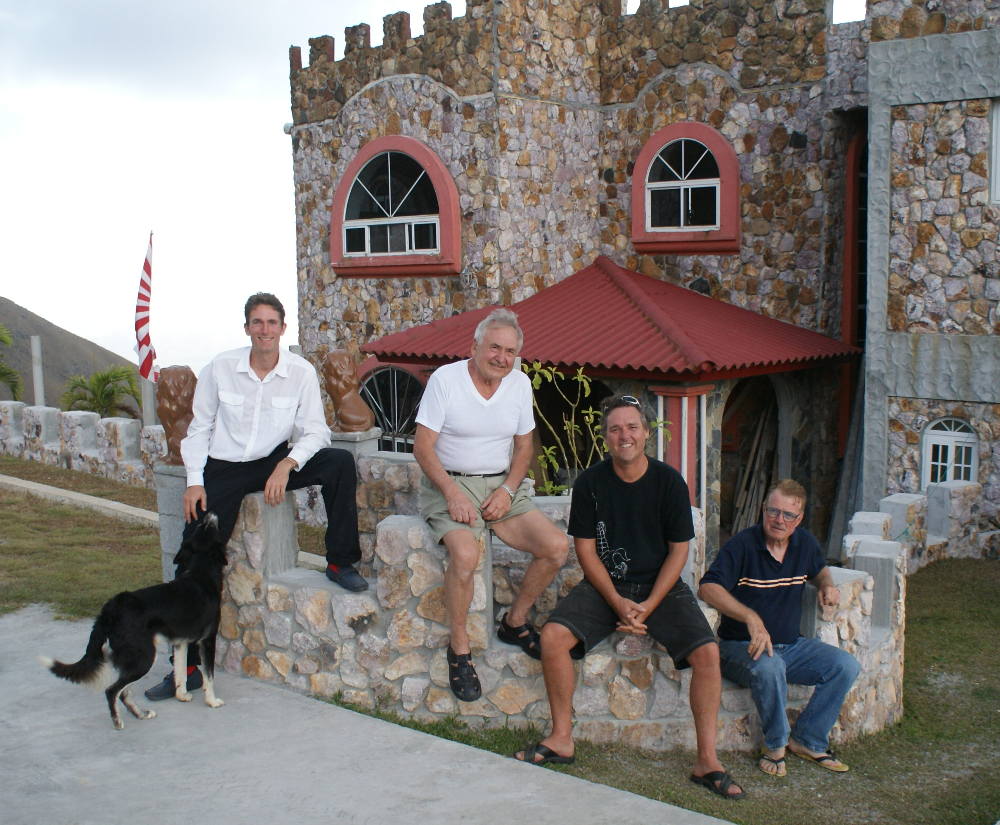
{"type": "Point", "coordinates": [631, 522]}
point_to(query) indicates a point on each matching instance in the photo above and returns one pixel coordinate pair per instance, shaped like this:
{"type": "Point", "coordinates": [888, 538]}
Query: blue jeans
{"type": "Point", "coordinates": [803, 662]}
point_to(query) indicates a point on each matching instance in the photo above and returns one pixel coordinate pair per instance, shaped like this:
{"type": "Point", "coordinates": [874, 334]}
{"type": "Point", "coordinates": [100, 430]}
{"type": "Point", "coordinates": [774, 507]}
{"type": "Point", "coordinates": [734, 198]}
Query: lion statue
{"type": "Point", "coordinates": [174, 399]}
{"type": "Point", "coordinates": [351, 413]}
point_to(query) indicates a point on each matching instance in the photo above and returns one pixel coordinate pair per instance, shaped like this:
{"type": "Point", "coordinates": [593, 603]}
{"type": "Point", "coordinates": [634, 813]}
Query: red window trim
{"type": "Point", "coordinates": [724, 239]}
{"type": "Point", "coordinates": [448, 261]}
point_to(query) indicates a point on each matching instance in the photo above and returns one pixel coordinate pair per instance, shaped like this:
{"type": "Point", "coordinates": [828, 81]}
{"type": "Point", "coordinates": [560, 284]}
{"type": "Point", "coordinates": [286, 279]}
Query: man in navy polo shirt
{"type": "Point", "coordinates": [756, 583]}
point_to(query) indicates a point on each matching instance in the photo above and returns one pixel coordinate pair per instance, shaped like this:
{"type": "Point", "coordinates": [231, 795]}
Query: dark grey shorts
{"type": "Point", "coordinates": [677, 623]}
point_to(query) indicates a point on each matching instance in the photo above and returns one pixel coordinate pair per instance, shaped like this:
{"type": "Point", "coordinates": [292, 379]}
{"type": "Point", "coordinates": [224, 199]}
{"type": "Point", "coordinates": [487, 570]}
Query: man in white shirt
{"type": "Point", "coordinates": [248, 406]}
{"type": "Point", "coordinates": [474, 444]}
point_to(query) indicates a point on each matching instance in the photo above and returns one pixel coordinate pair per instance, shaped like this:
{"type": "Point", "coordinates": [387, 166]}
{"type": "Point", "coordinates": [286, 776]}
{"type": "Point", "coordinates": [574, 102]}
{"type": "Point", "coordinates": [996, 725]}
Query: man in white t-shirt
{"type": "Point", "coordinates": [474, 444]}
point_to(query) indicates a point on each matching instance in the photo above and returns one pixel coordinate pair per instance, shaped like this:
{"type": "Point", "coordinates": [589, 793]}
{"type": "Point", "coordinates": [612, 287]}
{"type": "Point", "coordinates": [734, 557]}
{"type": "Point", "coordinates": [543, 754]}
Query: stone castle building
{"type": "Point", "coordinates": [841, 178]}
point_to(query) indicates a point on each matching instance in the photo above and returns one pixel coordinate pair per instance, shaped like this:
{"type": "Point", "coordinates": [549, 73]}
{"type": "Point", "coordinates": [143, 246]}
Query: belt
{"type": "Point", "coordinates": [475, 475]}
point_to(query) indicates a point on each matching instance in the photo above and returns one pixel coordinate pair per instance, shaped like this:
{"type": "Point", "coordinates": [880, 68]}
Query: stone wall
{"type": "Point", "coordinates": [539, 110]}
{"type": "Point", "coordinates": [944, 272]}
{"type": "Point", "coordinates": [903, 19]}
{"type": "Point", "coordinates": [118, 448]}
{"type": "Point", "coordinates": [943, 523]}
{"type": "Point", "coordinates": [385, 648]}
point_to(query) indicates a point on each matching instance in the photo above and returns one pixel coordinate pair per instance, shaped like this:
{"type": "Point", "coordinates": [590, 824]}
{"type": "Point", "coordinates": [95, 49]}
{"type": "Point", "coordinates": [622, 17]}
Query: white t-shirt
{"type": "Point", "coordinates": [475, 434]}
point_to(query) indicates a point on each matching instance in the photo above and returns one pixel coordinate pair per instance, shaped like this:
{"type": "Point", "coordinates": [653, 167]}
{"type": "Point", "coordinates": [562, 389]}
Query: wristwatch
{"type": "Point", "coordinates": [508, 491]}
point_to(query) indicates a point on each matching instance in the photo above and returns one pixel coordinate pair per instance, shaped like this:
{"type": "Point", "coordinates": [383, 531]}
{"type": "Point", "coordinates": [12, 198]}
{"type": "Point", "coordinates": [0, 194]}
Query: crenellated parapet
{"type": "Point", "coordinates": [455, 52]}
{"type": "Point", "coordinates": [579, 51]}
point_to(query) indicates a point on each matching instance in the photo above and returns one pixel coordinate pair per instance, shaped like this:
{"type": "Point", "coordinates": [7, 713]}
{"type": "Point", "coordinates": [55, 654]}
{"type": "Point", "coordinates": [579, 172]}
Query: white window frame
{"type": "Point", "coordinates": [950, 451]}
{"type": "Point", "coordinates": [686, 187]}
{"type": "Point", "coordinates": [410, 222]}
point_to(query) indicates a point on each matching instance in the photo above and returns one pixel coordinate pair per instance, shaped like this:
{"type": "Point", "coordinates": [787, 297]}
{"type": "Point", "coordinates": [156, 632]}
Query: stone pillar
{"type": "Point", "coordinates": [41, 434]}
{"type": "Point", "coordinates": [357, 444]}
{"type": "Point", "coordinates": [881, 560]}
{"type": "Point", "coordinates": [953, 514]}
{"type": "Point", "coordinates": [268, 533]}
{"type": "Point", "coordinates": [78, 433]}
{"type": "Point", "coordinates": [12, 427]}
{"type": "Point", "coordinates": [171, 482]}
{"type": "Point", "coordinates": [908, 512]}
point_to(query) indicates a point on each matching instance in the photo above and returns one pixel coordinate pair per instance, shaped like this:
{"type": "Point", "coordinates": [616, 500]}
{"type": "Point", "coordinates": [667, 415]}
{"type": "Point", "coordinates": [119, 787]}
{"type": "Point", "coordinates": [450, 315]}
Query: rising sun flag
{"type": "Point", "coordinates": [143, 346]}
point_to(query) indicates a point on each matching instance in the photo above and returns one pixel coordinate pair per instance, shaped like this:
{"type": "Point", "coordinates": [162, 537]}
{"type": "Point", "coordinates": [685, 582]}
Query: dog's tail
{"type": "Point", "coordinates": [90, 669]}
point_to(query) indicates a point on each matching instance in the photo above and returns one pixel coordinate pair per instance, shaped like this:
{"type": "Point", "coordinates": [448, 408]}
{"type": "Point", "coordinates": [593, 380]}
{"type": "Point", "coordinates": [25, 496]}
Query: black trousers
{"type": "Point", "coordinates": [227, 482]}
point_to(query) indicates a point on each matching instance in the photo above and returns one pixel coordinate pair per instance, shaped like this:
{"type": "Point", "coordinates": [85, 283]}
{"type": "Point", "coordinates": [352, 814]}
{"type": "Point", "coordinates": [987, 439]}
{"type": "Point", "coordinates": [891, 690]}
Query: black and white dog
{"type": "Point", "coordinates": [184, 611]}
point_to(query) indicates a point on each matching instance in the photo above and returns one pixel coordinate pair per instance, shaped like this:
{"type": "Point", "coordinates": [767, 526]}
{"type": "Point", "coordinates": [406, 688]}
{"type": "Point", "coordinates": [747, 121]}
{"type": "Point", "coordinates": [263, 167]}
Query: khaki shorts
{"type": "Point", "coordinates": [434, 507]}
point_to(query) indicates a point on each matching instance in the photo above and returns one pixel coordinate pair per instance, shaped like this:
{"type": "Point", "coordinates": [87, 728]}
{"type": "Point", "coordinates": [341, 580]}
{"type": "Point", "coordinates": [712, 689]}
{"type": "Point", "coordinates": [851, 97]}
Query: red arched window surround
{"type": "Point", "coordinates": [724, 239]}
{"type": "Point", "coordinates": [448, 261]}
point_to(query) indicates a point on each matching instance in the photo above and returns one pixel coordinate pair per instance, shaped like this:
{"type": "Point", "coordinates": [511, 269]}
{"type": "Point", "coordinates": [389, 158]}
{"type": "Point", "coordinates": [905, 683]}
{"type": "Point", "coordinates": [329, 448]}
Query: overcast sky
{"type": "Point", "coordinates": [118, 117]}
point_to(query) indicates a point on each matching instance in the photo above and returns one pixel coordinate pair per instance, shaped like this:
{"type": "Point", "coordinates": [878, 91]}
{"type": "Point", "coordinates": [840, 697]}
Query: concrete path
{"type": "Point", "coordinates": [102, 505]}
{"type": "Point", "coordinates": [269, 755]}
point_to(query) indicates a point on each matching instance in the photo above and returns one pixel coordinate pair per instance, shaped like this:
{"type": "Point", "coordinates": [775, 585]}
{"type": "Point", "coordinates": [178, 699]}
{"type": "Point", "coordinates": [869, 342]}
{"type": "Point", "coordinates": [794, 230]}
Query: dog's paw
{"type": "Point", "coordinates": [118, 723]}
{"type": "Point", "coordinates": [214, 702]}
{"type": "Point", "coordinates": [148, 714]}
{"type": "Point", "coordinates": [183, 696]}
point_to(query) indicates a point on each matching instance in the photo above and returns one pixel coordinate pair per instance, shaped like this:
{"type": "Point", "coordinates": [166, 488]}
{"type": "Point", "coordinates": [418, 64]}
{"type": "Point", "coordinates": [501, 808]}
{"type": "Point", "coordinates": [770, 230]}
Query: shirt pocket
{"type": "Point", "coordinates": [282, 412]}
{"type": "Point", "coordinates": [231, 410]}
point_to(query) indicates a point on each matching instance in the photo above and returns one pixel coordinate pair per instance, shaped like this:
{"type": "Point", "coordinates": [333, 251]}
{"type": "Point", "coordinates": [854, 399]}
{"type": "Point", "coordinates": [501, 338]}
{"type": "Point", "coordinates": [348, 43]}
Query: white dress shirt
{"type": "Point", "coordinates": [240, 417]}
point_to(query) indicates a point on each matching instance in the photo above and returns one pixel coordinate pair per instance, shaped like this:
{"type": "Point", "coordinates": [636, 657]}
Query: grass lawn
{"type": "Point", "coordinates": [936, 767]}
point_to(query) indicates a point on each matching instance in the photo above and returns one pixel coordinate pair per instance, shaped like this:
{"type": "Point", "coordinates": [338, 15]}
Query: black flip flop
{"type": "Point", "coordinates": [778, 763]}
{"type": "Point", "coordinates": [718, 782]}
{"type": "Point", "coordinates": [548, 756]}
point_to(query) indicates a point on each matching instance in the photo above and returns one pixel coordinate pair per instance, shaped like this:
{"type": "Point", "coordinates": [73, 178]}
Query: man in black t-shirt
{"type": "Point", "coordinates": [631, 522]}
{"type": "Point", "coordinates": [756, 582]}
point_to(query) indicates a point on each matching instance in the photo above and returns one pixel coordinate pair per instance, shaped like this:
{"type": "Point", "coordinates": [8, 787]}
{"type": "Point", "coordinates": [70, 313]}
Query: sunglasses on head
{"type": "Point", "coordinates": [620, 401]}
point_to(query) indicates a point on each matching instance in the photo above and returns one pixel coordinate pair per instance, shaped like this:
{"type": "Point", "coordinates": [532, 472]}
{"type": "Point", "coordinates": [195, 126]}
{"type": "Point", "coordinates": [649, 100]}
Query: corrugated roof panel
{"type": "Point", "coordinates": [612, 318]}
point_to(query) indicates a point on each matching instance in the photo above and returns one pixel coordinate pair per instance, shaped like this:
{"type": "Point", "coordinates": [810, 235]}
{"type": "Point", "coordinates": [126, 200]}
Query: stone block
{"type": "Point", "coordinates": [413, 691]}
{"type": "Point", "coordinates": [406, 631]}
{"type": "Point", "coordinates": [354, 613]}
{"type": "Point", "coordinates": [12, 427]}
{"type": "Point", "coordinates": [426, 571]}
{"type": "Point", "coordinates": [598, 668]}
{"type": "Point", "coordinates": [409, 664]}
{"type": "Point", "coordinates": [514, 695]}
{"type": "Point", "coordinates": [907, 512]}
{"type": "Point", "coordinates": [244, 585]}
{"type": "Point", "coordinates": [625, 700]}
{"type": "Point", "coordinates": [880, 560]}
{"type": "Point", "coordinates": [312, 609]}
{"type": "Point", "coordinates": [870, 524]}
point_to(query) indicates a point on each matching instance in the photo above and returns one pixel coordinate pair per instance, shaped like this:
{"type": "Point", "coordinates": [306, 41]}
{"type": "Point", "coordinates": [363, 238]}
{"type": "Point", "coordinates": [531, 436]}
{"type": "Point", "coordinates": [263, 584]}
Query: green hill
{"type": "Point", "coordinates": [63, 353]}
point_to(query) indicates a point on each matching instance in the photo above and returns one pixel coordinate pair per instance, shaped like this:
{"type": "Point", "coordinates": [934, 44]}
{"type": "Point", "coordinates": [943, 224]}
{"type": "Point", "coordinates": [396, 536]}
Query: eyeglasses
{"type": "Point", "coordinates": [775, 513]}
{"type": "Point", "coordinates": [616, 401]}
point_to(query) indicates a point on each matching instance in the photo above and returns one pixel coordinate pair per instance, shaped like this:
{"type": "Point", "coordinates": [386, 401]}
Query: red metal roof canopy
{"type": "Point", "coordinates": [616, 322]}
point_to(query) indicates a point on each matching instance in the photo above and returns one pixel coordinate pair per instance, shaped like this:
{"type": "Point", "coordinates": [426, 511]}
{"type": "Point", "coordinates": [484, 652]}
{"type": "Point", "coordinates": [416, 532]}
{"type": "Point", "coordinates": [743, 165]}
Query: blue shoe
{"type": "Point", "coordinates": [348, 578]}
{"type": "Point", "coordinates": [165, 689]}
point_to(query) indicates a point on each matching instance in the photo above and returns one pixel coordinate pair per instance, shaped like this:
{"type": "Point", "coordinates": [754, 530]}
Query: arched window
{"type": "Point", "coordinates": [685, 192]}
{"type": "Point", "coordinates": [392, 209]}
{"type": "Point", "coordinates": [950, 452]}
{"type": "Point", "coordinates": [682, 188]}
{"type": "Point", "coordinates": [395, 212]}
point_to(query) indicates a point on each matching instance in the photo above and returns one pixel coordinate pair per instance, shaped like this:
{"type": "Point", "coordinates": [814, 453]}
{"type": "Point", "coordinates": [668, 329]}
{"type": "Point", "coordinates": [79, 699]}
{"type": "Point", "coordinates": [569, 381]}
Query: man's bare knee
{"type": "Point", "coordinates": [557, 637]}
{"type": "Point", "coordinates": [705, 658]}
